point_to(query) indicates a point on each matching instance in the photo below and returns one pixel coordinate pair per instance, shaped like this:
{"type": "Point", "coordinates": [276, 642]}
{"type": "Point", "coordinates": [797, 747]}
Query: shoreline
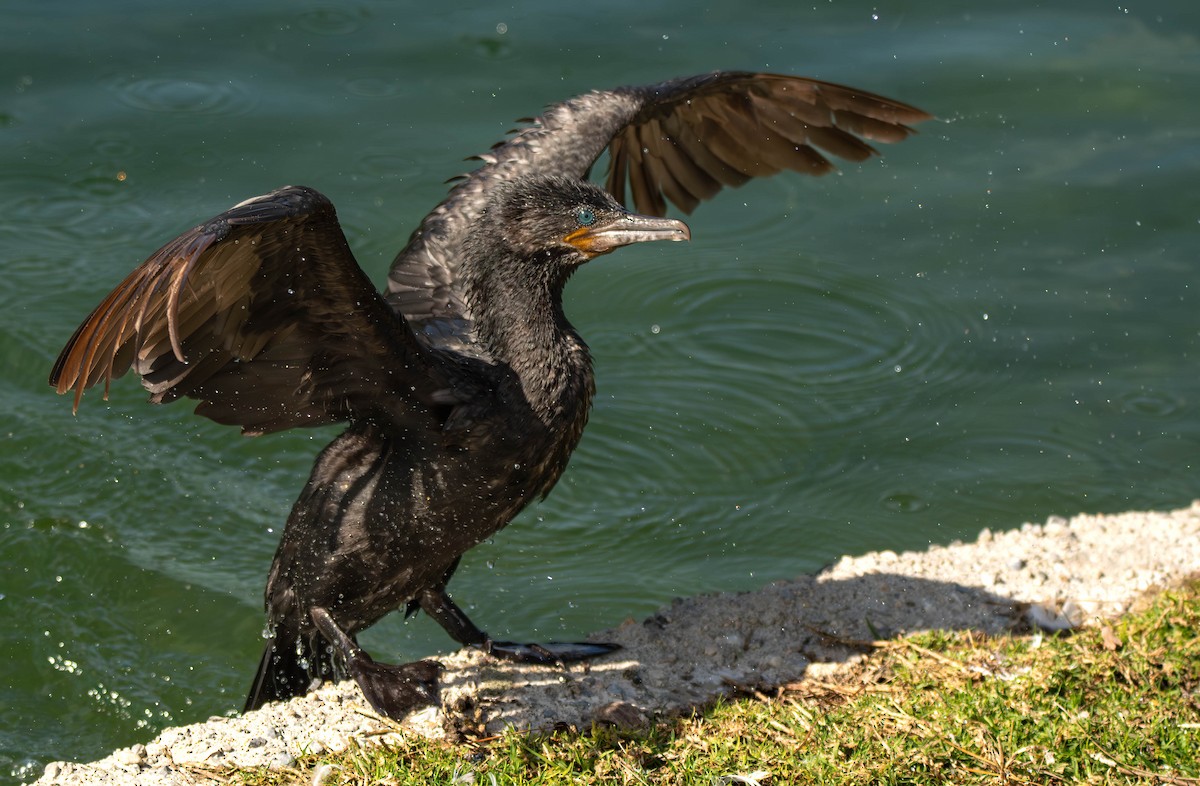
{"type": "Point", "coordinates": [1054, 575]}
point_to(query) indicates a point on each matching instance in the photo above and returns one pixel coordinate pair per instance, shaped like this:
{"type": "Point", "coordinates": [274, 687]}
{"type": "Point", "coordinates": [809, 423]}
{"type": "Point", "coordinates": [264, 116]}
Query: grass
{"type": "Point", "coordinates": [1119, 703]}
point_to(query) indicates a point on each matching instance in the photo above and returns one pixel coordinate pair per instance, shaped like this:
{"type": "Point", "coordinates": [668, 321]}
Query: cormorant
{"type": "Point", "coordinates": [464, 386]}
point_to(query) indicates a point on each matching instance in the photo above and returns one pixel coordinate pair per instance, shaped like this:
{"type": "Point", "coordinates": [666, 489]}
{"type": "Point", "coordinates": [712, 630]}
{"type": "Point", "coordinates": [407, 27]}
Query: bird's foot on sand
{"type": "Point", "coordinates": [396, 690]}
{"type": "Point", "coordinates": [392, 690]}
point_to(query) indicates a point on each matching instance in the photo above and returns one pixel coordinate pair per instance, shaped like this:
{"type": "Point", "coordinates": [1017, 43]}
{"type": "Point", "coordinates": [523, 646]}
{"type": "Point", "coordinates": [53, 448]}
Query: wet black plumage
{"type": "Point", "coordinates": [464, 386]}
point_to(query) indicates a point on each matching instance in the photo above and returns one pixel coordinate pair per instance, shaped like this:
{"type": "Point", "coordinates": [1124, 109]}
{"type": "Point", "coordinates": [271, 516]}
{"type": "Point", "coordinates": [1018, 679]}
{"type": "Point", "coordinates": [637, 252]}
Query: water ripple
{"type": "Point", "coordinates": [56, 228]}
{"type": "Point", "coordinates": [388, 163]}
{"type": "Point", "coordinates": [183, 95]}
{"type": "Point", "coordinates": [333, 20]}
{"type": "Point", "coordinates": [375, 85]}
{"type": "Point", "coordinates": [787, 334]}
{"type": "Point", "coordinates": [1157, 403]}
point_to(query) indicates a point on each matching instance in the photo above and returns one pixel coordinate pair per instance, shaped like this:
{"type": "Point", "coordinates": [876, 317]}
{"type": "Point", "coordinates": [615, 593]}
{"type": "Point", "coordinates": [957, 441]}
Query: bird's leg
{"type": "Point", "coordinates": [437, 604]}
{"type": "Point", "coordinates": [393, 691]}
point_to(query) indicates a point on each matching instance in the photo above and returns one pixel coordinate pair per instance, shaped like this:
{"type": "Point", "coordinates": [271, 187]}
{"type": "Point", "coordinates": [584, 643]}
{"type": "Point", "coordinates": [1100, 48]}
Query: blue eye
{"type": "Point", "coordinates": [585, 217]}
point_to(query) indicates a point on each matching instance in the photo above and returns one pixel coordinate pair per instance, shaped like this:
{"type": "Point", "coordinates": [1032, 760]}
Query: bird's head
{"type": "Point", "coordinates": [571, 221]}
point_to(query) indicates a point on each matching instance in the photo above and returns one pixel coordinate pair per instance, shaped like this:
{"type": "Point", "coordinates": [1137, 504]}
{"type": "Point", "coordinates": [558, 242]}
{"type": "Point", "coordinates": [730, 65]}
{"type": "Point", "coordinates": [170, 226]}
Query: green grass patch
{"type": "Point", "coordinates": [1119, 703]}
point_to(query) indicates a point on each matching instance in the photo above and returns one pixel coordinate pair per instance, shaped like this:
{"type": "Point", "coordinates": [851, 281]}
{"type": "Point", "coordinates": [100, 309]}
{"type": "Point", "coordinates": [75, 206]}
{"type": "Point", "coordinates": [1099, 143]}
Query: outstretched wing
{"type": "Point", "coordinates": [263, 315]}
{"type": "Point", "coordinates": [679, 141]}
{"type": "Point", "coordinates": [696, 135]}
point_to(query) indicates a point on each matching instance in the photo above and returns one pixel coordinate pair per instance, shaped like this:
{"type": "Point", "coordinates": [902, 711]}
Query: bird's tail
{"type": "Point", "coordinates": [291, 665]}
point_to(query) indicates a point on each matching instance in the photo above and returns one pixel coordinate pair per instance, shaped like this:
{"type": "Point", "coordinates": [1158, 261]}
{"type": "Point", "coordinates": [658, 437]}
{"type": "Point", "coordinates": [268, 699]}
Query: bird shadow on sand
{"type": "Point", "coordinates": [696, 649]}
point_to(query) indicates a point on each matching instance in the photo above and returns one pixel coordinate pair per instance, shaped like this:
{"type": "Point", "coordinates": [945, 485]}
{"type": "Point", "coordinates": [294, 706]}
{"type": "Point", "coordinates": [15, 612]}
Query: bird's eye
{"type": "Point", "coordinates": [585, 217]}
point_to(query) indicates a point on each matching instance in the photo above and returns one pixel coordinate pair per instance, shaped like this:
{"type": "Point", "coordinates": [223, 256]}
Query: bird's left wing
{"type": "Point", "coordinates": [263, 315]}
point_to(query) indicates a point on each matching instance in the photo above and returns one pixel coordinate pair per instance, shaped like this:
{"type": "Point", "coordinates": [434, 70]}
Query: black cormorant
{"type": "Point", "coordinates": [464, 386]}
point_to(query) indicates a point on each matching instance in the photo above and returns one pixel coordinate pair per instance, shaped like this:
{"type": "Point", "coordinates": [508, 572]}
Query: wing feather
{"type": "Point", "coordinates": [262, 315]}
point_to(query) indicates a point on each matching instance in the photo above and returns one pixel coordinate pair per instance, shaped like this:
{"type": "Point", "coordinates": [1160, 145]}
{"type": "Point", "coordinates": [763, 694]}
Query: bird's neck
{"type": "Point", "coordinates": [524, 328]}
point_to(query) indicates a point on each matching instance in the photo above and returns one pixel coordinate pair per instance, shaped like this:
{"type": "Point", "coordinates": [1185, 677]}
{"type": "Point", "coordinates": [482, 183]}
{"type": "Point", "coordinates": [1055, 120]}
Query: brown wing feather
{"type": "Point", "coordinates": [264, 316]}
{"type": "Point", "coordinates": [734, 126]}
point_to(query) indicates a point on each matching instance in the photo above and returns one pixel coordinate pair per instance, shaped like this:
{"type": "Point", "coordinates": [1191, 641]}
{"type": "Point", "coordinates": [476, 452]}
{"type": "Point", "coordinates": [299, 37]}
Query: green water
{"type": "Point", "coordinates": [995, 323]}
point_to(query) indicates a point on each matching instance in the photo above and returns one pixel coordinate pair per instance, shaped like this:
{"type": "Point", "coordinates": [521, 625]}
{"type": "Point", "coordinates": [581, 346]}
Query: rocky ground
{"type": "Point", "coordinates": [1055, 575]}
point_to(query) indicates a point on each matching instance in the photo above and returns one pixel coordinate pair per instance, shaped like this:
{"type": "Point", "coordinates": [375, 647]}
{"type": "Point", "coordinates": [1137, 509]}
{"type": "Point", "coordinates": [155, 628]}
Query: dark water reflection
{"type": "Point", "coordinates": [995, 323]}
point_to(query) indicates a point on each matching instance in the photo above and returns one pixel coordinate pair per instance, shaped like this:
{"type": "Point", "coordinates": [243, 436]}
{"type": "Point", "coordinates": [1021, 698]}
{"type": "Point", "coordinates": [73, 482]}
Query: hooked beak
{"type": "Point", "coordinates": [602, 237]}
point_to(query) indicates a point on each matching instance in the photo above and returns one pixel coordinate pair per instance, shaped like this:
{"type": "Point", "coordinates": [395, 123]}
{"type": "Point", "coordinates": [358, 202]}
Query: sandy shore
{"type": "Point", "coordinates": [1058, 574]}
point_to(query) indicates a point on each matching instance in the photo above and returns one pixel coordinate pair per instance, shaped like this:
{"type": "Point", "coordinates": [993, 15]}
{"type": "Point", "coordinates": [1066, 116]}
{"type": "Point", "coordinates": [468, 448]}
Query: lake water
{"type": "Point", "coordinates": [996, 322]}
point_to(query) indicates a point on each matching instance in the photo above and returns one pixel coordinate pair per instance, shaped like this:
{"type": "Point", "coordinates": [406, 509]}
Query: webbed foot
{"type": "Point", "coordinates": [438, 605]}
{"type": "Point", "coordinates": [392, 690]}
{"type": "Point", "coordinates": [396, 690]}
{"type": "Point", "coordinates": [550, 654]}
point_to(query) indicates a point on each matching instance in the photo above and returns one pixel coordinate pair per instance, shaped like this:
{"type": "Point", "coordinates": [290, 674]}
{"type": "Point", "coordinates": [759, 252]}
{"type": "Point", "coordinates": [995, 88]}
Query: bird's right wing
{"type": "Point", "coordinates": [263, 315]}
{"type": "Point", "coordinates": [679, 141]}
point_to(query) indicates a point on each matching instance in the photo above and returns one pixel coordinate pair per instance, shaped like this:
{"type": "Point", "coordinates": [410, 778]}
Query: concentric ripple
{"type": "Point", "coordinates": [184, 95]}
{"type": "Point", "coordinates": [381, 85]}
{"type": "Point", "coordinates": [42, 214]}
{"type": "Point", "coordinates": [787, 333]}
{"type": "Point", "coordinates": [333, 20]}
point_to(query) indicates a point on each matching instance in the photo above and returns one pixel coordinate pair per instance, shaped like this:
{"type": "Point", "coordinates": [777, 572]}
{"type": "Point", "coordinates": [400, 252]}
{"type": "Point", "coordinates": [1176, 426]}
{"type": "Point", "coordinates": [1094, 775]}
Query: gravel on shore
{"type": "Point", "coordinates": [1055, 575]}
